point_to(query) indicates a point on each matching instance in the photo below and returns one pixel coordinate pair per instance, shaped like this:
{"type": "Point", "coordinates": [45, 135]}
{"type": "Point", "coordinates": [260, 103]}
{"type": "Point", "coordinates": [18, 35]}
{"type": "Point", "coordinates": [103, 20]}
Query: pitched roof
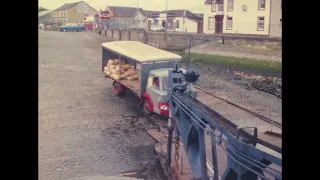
{"type": "Point", "coordinates": [183, 13]}
{"type": "Point", "coordinates": [177, 13]}
{"type": "Point", "coordinates": [190, 14]}
{"type": "Point", "coordinates": [67, 6]}
{"type": "Point", "coordinates": [119, 11]}
{"type": "Point", "coordinates": [42, 13]}
{"type": "Point", "coordinates": [149, 13]}
{"type": "Point", "coordinates": [208, 2]}
{"type": "Point", "coordinates": [199, 14]}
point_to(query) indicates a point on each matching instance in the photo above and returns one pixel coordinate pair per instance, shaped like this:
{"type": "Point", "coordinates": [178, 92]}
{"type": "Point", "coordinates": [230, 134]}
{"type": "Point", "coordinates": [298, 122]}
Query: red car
{"type": "Point", "coordinates": [88, 26]}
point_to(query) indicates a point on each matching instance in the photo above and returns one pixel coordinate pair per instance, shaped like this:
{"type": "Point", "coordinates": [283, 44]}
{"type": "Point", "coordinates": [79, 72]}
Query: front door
{"type": "Point", "coordinates": [219, 24]}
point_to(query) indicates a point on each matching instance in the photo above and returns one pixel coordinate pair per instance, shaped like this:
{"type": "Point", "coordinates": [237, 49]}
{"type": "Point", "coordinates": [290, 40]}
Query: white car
{"type": "Point", "coordinates": [41, 26]}
{"type": "Point", "coordinates": [157, 28]}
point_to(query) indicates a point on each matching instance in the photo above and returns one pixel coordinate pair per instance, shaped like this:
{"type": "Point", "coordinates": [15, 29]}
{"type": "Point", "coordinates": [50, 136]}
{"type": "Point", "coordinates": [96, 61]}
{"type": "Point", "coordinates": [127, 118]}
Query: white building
{"type": "Point", "coordinates": [178, 20]}
{"type": "Point", "coordinates": [254, 17]}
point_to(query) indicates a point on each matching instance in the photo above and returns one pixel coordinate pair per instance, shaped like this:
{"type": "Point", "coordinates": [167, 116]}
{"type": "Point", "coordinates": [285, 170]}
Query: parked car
{"type": "Point", "coordinates": [48, 28]}
{"type": "Point", "coordinates": [72, 27]}
{"type": "Point", "coordinates": [41, 26]}
{"type": "Point", "coordinates": [157, 28]}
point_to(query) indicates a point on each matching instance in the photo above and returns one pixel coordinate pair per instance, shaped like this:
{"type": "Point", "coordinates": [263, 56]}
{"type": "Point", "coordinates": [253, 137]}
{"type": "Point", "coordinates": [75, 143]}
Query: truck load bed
{"type": "Point", "coordinates": [142, 57]}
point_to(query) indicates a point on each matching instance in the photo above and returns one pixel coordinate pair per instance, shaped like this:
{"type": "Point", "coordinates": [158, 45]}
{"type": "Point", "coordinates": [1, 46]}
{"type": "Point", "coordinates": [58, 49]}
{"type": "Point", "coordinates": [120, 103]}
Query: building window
{"type": "Point", "coordinates": [229, 23]}
{"type": "Point", "coordinates": [156, 22]}
{"type": "Point", "coordinates": [177, 24]}
{"type": "Point", "coordinates": [210, 23]}
{"type": "Point", "coordinates": [230, 5]}
{"type": "Point", "coordinates": [213, 6]}
{"type": "Point", "coordinates": [260, 24]}
{"type": "Point", "coordinates": [220, 7]}
{"type": "Point", "coordinates": [280, 25]}
{"type": "Point", "coordinates": [262, 4]}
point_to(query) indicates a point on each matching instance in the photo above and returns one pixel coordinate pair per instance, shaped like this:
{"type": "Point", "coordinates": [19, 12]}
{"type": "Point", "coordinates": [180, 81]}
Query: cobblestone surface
{"type": "Point", "coordinates": [84, 130]}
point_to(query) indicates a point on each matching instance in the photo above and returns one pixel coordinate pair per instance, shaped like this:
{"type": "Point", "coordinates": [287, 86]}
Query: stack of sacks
{"type": "Point", "coordinates": [118, 70]}
{"type": "Point", "coordinates": [130, 74]}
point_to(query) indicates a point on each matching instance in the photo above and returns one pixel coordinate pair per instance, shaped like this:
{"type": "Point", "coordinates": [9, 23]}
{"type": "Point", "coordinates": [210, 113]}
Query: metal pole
{"type": "Point", "coordinates": [166, 24]}
{"type": "Point", "coordinates": [188, 62]}
{"type": "Point", "coordinates": [214, 159]}
{"type": "Point", "coordinates": [147, 23]}
{"type": "Point", "coordinates": [137, 13]}
{"type": "Point", "coordinates": [169, 147]}
{"type": "Point", "coordinates": [203, 158]}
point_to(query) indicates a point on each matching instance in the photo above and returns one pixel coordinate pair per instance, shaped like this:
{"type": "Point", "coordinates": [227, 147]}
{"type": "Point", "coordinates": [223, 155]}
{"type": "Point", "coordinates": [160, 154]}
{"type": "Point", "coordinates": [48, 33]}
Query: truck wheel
{"type": "Point", "coordinates": [146, 106]}
{"type": "Point", "coordinates": [118, 89]}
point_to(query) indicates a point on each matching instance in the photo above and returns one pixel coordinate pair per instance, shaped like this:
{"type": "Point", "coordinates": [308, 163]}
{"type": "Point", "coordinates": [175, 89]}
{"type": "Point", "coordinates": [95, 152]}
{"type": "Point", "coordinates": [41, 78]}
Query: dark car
{"type": "Point", "coordinates": [72, 27]}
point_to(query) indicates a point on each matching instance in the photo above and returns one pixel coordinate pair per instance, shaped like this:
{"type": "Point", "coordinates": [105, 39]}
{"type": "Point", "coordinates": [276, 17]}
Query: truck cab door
{"type": "Point", "coordinates": [153, 89]}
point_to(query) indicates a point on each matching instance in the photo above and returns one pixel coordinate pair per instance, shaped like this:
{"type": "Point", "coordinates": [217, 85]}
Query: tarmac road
{"type": "Point", "coordinates": [85, 132]}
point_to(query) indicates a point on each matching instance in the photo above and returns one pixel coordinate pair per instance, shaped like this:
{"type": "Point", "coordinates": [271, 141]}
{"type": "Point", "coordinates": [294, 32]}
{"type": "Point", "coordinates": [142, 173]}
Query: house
{"type": "Point", "coordinates": [45, 17]}
{"type": "Point", "coordinates": [252, 17]}
{"type": "Point", "coordinates": [72, 12]}
{"type": "Point", "coordinates": [178, 20]}
{"type": "Point", "coordinates": [121, 17]}
{"type": "Point", "coordinates": [140, 18]}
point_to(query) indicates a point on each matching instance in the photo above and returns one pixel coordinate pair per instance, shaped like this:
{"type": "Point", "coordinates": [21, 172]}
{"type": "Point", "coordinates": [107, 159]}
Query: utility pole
{"type": "Point", "coordinates": [137, 14]}
{"type": "Point", "coordinates": [147, 23]}
{"type": "Point", "coordinates": [166, 25]}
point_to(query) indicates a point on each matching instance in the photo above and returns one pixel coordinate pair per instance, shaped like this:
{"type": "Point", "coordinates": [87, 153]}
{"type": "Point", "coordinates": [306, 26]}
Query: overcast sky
{"type": "Point", "coordinates": [192, 5]}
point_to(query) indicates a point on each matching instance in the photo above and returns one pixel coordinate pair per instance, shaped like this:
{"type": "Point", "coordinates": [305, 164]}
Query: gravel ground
{"type": "Point", "coordinates": [85, 132]}
{"type": "Point", "coordinates": [227, 85]}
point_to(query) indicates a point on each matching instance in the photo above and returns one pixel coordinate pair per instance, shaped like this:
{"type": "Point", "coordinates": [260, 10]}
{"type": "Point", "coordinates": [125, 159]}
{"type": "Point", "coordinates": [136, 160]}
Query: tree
{"type": "Point", "coordinates": [42, 9]}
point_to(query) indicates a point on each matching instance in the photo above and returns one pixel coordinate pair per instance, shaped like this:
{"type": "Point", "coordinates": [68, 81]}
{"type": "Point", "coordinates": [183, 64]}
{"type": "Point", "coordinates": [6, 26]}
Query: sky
{"type": "Point", "coordinates": [195, 6]}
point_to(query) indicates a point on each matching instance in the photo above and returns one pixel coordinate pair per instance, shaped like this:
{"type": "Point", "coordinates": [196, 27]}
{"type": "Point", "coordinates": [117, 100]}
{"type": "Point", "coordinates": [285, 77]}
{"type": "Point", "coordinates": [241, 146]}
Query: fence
{"type": "Point", "coordinates": [120, 24]}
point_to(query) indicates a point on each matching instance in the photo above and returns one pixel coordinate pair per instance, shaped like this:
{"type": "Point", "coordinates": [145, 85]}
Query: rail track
{"type": "Point", "coordinates": [272, 122]}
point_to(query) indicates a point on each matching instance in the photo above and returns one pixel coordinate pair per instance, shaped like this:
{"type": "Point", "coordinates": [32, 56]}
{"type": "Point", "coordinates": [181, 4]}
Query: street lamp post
{"type": "Point", "coordinates": [137, 13]}
{"type": "Point", "coordinates": [166, 24]}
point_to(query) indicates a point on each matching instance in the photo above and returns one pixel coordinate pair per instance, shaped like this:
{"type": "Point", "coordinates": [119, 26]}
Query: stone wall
{"type": "Point", "coordinates": [180, 41]}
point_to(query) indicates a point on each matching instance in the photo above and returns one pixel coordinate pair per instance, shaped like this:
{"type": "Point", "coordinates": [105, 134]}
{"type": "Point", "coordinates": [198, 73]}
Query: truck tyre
{"type": "Point", "coordinates": [118, 89]}
{"type": "Point", "coordinates": [146, 106]}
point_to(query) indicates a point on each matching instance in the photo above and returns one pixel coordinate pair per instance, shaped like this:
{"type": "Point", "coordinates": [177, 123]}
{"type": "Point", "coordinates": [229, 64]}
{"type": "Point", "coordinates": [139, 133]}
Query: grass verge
{"type": "Point", "coordinates": [232, 61]}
